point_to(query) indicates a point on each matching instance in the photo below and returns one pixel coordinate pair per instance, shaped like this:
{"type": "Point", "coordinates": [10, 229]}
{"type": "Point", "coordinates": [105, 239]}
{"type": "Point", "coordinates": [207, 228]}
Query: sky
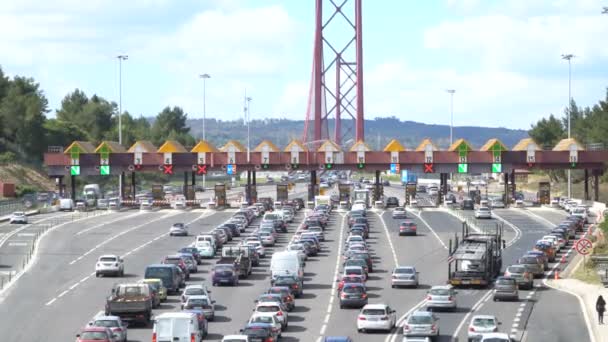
{"type": "Point", "coordinates": [501, 57]}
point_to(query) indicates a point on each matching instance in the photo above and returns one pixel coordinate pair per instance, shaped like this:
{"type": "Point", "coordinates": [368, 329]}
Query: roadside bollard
{"type": "Point", "coordinates": [563, 259]}
{"type": "Point", "coordinates": [556, 275]}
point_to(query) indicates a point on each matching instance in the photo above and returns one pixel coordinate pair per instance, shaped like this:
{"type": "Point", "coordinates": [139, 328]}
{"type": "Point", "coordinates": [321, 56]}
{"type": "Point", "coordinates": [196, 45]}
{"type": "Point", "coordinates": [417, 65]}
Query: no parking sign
{"type": "Point", "coordinates": [583, 246]}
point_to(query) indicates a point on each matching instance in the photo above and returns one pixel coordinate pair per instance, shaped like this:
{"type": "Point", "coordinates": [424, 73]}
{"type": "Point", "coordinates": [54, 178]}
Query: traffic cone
{"type": "Point", "coordinates": [556, 275]}
{"type": "Point", "coordinates": [563, 260]}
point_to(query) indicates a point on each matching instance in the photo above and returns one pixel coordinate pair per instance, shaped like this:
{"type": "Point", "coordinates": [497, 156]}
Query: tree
{"type": "Point", "coordinates": [168, 121]}
{"type": "Point", "coordinates": [62, 133]}
{"type": "Point", "coordinates": [547, 132]}
{"type": "Point", "coordinates": [132, 129]}
{"type": "Point", "coordinates": [93, 116]}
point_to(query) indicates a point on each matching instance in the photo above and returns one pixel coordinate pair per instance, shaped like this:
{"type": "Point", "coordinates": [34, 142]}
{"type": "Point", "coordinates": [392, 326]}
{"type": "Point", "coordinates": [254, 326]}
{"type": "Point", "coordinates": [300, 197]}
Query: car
{"type": "Point", "coordinates": [157, 286]}
{"type": "Point", "coordinates": [236, 338]}
{"type": "Point", "coordinates": [194, 290]}
{"type": "Point", "coordinates": [201, 302]}
{"type": "Point", "coordinates": [205, 249]}
{"type": "Point", "coordinates": [286, 295]}
{"type": "Point", "coordinates": [533, 264]}
{"type": "Point", "coordinates": [350, 279]}
{"type": "Point", "coordinates": [441, 297]}
{"type": "Point", "coordinates": [114, 324]}
{"type": "Point", "coordinates": [399, 213]}
{"type": "Point", "coordinates": [110, 264]}
{"type": "Point", "coordinates": [421, 323]}
{"type": "Point", "coordinates": [524, 278]}
{"type": "Point", "coordinates": [178, 229]}
{"type": "Point", "coordinates": [543, 257]}
{"type": "Point", "coordinates": [404, 276]}
{"type": "Point", "coordinates": [506, 288]}
{"type": "Point", "coordinates": [356, 270]}
{"type": "Point", "coordinates": [481, 325]}
{"type": "Point", "coordinates": [497, 204]}
{"type": "Point", "coordinates": [275, 298]}
{"type": "Point", "coordinates": [408, 227]}
{"type": "Point", "coordinates": [194, 251]}
{"type": "Point", "coordinates": [483, 212]}
{"type": "Point", "coordinates": [190, 262]}
{"type": "Point", "coordinates": [376, 317]}
{"type": "Point", "coordinates": [275, 309]}
{"type": "Point", "coordinates": [337, 339]}
{"type": "Point", "coordinates": [95, 334]}
{"type": "Point", "coordinates": [496, 337]}
{"type": "Point", "coordinates": [294, 284]}
{"type": "Point", "coordinates": [179, 262]}
{"type": "Point", "coordinates": [260, 332]}
{"type": "Point", "coordinates": [353, 295]}
{"type": "Point", "coordinates": [267, 318]}
{"type": "Point", "coordinates": [18, 217]}
{"type": "Point", "coordinates": [392, 202]}
{"type": "Point", "coordinates": [203, 323]}
{"type": "Point", "coordinates": [467, 204]}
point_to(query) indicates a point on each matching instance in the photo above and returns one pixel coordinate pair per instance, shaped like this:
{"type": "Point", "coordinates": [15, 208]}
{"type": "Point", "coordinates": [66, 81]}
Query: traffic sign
{"type": "Point", "coordinates": [230, 169]}
{"type": "Point", "coordinates": [168, 169]}
{"type": "Point", "coordinates": [104, 170]}
{"type": "Point", "coordinates": [496, 168]}
{"type": "Point", "coordinates": [329, 166]}
{"type": "Point", "coordinates": [463, 168]}
{"type": "Point", "coordinates": [393, 168]}
{"type": "Point", "coordinates": [360, 165]}
{"type": "Point", "coordinates": [75, 170]}
{"type": "Point", "coordinates": [583, 246]}
{"type": "Point", "coordinates": [428, 168]}
{"type": "Point", "coordinates": [201, 169]}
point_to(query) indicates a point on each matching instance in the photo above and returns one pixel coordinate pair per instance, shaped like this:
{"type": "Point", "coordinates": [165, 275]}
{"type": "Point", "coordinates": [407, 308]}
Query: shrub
{"type": "Point", "coordinates": [23, 189]}
{"type": "Point", "coordinates": [7, 158]}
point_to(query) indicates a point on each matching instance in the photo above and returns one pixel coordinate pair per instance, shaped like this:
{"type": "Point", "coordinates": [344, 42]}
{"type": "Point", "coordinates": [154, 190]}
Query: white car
{"type": "Point", "coordinates": [114, 323]}
{"type": "Point", "coordinates": [236, 338]}
{"type": "Point", "coordinates": [555, 241]}
{"type": "Point", "coordinates": [194, 290]}
{"type": "Point", "coordinates": [274, 309]}
{"type": "Point", "coordinates": [496, 337]}
{"type": "Point", "coordinates": [483, 212]}
{"type": "Point", "coordinates": [178, 229]}
{"type": "Point", "coordinates": [268, 318]}
{"type": "Point", "coordinates": [376, 317]}
{"type": "Point", "coordinates": [18, 217]}
{"type": "Point", "coordinates": [399, 213]}
{"type": "Point", "coordinates": [258, 247]}
{"type": "Point", "coordinates": [581, 212]}
{"type": "Point", "coordinates": [482, 325]}
{"type": "Point", "coordinates": [110, 264]}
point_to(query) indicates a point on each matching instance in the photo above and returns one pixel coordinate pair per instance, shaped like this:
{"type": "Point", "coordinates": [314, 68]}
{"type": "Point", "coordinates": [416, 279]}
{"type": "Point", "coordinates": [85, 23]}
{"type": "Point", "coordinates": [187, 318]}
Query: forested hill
{"type": "Point", "coordinates": [409, 133]}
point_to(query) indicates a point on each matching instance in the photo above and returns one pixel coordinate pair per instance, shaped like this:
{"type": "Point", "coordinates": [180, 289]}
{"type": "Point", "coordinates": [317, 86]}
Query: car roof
{"type": "Point", "coordinates": [352, 267]}
{"type": "Point", "coordinates": [175, 315]}
{"type": "Point", "coordinates": [109, 256]}
{"type": "Point", "coordinates": [107, 318]}
{"type": "Point", "coordinates": [94, 328]}
{"type": "Point", "coordinates": [441, 287]}
{"type": "Point", "coordinates": [375, 306]}
{"type": "Point", "coordinates": [354, 285]}
{"type": "Point", "coordinates": [483, 317]}
{"type": "Point", "coordinates": [421, 313]}
{"type": "Point", "coordinates": [198, 297]}
{"type": "Point", "coordinates": [194, 286]}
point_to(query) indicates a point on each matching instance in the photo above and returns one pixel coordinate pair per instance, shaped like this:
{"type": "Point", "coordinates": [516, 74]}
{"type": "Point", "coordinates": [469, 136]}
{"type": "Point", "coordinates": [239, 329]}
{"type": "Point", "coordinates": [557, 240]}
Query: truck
{"type": "Point", "coordinates": [476, 259]}
{"type": "Point", "coordinates": [130, 302]}
{"type": "Point", "coordinates": [91, 193]}
{"type": "Point", "coordinates": [319, 200]}
{"type": "Point", "coordinates": [239, 256]}
{"type": "Point", "coordinates": [362, 195]}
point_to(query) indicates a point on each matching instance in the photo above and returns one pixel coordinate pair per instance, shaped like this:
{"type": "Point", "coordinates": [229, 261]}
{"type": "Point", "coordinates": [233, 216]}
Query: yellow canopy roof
{"type": "Point", "coordinates": [564, 145]}
{"type": "Point", "coordinates": [204, 146]}
{"type": "Point", "coordinates": [172, 146]}
{"type": "Point", "coordinates": [110, 147]}
{"type": "Point", "coordinates": [272, 147]}
{"type": "Point", "coordinates": [358, 144]}
{"type": "Point", "coordinates": [460, 145]}
{"type": "Point", "coordinates": [394, 146]}
{"type": "Point", "coordinates": [423, 144]}
{"type": "Point", "coordinates": [330, 143]}
{"type": "Point", "coordinates": [493, 145]}
{"type": "Point", "coordinates": [295, 142]}
{"type": "Point", "coordinates": [522, 145]}
{"type": "Point", "coordinates": [143, 146]}
{"type": "Point", "coordinates": [80, 147]}
{"type": "Point", "coordinates": [237, 145]}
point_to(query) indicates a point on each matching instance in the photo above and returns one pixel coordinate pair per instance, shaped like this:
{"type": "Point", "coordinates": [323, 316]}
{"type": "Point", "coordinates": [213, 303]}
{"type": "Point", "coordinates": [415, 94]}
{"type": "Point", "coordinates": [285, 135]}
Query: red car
{"type": "Point", "coordinates": [407, 228]}
{"type": "Point", "coordinates": [95, 334]}
{"type": "Point", "coordinates": [348, 279]}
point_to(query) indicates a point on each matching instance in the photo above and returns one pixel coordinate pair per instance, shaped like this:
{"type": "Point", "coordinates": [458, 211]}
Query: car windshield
{"type": "Point", "coordinates": [440, 292]}
{"type": "Point", "coordinates": [516, 269]}
{"type": "Point", "coordinates": [94, 336]}
{"type": "Point", "coordinates": [496, 339]}
{"type": "Point", "coordinates": [268, 308]}
{"type": "Point", "coordinates": [420, 319]}
{"type": "Point", "coordinates": [484, 322]}
{"type": "Point", "coordinates": [158, 272]}
{"type": "Point", "coordinates": [505, 281]}
{"type": "Point", "coordinates": [404, 271]}
{"type": "Point", "coordinates": [374, 312]}
{"type": "Point", "coordinates": [353, 289]}
{"type": "Point", "coordinates": [107, 259]}
{"type": "Point", "coordinates": [528, 260]}
{"type": "Point", "coordinates": [354, 271]}
{"type": "Point", "coordinates": [262, 319]}
{"type": "Point", "coordinates": [108, 323]}
{"type": "Point", "coordinates": [194, 292]}
{"type": "Point", "coordinates": [178, 225]}
{"type": "Point", "coordinates": [256, 332]}
{"type": "Point", "coordinates": [197, 301]}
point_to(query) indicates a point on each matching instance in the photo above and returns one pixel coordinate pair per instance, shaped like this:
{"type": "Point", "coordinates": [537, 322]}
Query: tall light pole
{"type": "Point", "coordinates": [569, 57]}
{"type": "Point", "coordinates": [204, 77]}
{"type": "Point", "coordinates": [248, 115]}
{"type": "Point", "coordinates": [451, 92]}
{"type": "Point", "coordinates": [120, 59]}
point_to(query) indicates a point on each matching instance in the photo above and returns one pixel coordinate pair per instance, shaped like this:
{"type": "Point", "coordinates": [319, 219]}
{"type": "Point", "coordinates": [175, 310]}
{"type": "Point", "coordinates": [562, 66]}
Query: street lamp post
{"type": "Point", "coordinates": [120, 59]}
{"type": "Point", "coordinates": [451, 92]}
{"type": "Point", "coordinates": [204, 77]}
{"type": "Point", "coordinates": [248, 115]}
{"type": "Point", "coordinates": [569, 57]}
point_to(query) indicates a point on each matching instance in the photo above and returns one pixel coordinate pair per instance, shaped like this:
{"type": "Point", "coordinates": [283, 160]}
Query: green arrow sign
{"type": "Point", "coordinates": [104, 149]}
{"type": "Point", "coordinates": [496, 168]}
{"type": "Point", "coordinates": [104, 170]}
{"type": "Point", "coordinates": [75, 170]}
{"type": "Point", "coordinates": [463, 168]}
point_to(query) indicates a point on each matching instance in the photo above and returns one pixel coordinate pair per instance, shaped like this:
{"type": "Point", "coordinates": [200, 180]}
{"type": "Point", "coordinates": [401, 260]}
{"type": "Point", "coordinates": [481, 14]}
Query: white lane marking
{"type": "Point", "coordinates": [518, 232]}
{"type": "Point", "coordinates": [335, 276]}
{"type": "Point", "coordinates": [431, 229]}
{"type": "Point", "coordinates": [51, 301]}
{"type": "Point", "coordinates": [17, 244]}
{"type": "Point", "coordinates": [388, 236]}
{"type": "Point", "coordinates": [538, 217]}
{"type": "Point", "coordinates": [106, 241]}
{"type": "Point", "coordinates": [26, 234]}
{"type": "Point", "coordinates": [475, 307]}
{"type": "Point", "coordinates": [62, 293]}
{"type": "Point", "coordinates": [106, 223]}
{"type": "Point", "coordinates": [398, 325]}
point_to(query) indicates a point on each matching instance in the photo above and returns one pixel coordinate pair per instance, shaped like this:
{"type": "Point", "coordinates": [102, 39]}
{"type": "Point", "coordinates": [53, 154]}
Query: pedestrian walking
{"type": "Point", "coordinates": [600, 307]}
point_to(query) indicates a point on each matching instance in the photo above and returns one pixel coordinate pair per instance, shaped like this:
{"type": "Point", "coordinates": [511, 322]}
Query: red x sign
{"type": "Point", "coordinates": [202, 169]}
{"type": "Point", "coordinates": [168, 169]}
{"type": "Point", "coordinates": [428, 168]}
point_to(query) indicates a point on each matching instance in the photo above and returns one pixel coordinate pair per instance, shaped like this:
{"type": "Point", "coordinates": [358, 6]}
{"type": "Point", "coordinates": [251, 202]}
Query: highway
{"type": "Point", "coordinates": [59, 293]}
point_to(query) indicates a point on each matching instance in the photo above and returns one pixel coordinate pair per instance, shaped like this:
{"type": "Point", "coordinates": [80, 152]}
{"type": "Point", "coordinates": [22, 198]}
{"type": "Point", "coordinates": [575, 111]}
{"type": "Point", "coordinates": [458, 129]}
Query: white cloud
{"type": "Point", "coordinates": [293, 101]}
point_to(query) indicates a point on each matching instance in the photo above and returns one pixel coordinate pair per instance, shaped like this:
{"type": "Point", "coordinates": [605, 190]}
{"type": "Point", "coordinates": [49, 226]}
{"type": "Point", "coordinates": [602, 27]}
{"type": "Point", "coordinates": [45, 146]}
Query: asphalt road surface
{"type": "Point", "coordinates": [59, 293]}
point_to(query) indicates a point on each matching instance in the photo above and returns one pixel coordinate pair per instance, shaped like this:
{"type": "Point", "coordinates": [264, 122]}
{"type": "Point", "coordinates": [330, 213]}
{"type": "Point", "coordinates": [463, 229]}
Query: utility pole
{"type": "Point", "coordinates": [204, 77]}
{"type": "Point", "coordinates": [120, 59]}
{"type": "Point", "coordinates": [248, 118]}
{"type": "Point", "coordinates": [451, 92]}
{"type": "Point", "coordinates": [569, 57]}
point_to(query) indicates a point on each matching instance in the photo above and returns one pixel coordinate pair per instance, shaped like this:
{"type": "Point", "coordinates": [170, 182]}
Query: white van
{"type": "Point", "coordinates": [177, 327]}
{"type": "Point", "coordinates": [66, 204]}
{"type": "Point", "coordinates": [206, 237]}
{"type": "Point", "coordinates": [286, 263]}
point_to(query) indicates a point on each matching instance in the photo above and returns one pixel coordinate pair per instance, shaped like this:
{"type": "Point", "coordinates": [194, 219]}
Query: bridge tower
{"type": "Point", "coordinates": [336, 85]}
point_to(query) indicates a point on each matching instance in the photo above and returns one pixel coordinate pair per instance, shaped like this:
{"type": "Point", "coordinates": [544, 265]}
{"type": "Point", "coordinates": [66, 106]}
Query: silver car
{"type": "Point", "coordinates": [178, 229]}
{"type": "Point", "coordinates": [483, 212]}
{"type": "Point", "coordinates": [441, 297]}
{"type": "Point", "coordinates": [203, 303]}
{"type": "Point", "coordinates": [114, 323]}
{"type": "Point", "coordinates": [399, 213]}
{"type": "Point", "coordinates": [404, 276]}
{"type": "Point", "coordinates": [421, 323]}
{"type": "Point", "coordinates": [481, 325]}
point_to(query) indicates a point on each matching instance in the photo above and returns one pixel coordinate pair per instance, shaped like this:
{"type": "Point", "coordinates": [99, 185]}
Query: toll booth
{"type": "Point", "coordinates": [344, 192]}
{"type": "Point", "coordinates": [220, 195]}
{"type": "Point", "coordinates": [410, 192]}
{"type": "Point", "coordinates": [282, 192]}
{"type": "Point", "coordinates": [544, 192]}
{"type": "Point", "coordinates": [157, 192]}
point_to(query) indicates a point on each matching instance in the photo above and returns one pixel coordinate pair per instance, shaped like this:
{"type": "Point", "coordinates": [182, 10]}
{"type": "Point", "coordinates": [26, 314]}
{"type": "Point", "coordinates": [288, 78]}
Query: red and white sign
{"type": "Point", "coordinates": [583, 246]}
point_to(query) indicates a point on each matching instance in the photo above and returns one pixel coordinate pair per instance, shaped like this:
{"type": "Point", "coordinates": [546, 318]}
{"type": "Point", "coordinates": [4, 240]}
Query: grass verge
{"type": "Point", "coordinates": [587, 273]}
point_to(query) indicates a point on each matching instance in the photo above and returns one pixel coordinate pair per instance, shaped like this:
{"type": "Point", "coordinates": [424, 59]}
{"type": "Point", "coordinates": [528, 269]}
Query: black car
{"type": "Point", "coordinates": [386, 183]}
{"type": "Point", "coordinates": [467, 204]}
{"type": "Point", "coordinates": [234, 229]}
{"type": "Point", "coordinates": [295, 284]}
{"type": "Point", "coordinates": [194, 252]}
{"type": "Point", "coordinates": [392, 202]}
